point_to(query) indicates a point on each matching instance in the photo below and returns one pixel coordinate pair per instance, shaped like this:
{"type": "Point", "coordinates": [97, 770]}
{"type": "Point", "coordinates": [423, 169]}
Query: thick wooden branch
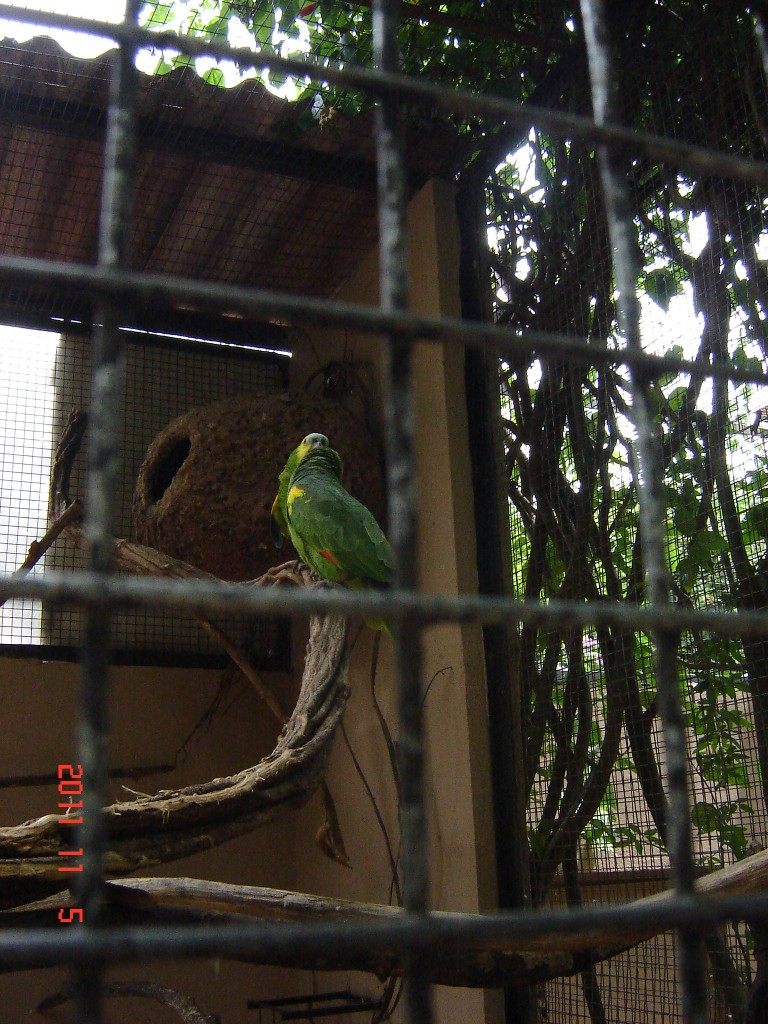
{"type": "Point", "coordinates": [515, 961]}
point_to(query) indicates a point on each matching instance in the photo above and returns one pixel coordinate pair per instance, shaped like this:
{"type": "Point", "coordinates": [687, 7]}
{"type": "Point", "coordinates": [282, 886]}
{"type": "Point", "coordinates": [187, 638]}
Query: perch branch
{"type": "Point", "coordinates": [481, 963]}
{"type": "Point", "coordinates": [174, 823]}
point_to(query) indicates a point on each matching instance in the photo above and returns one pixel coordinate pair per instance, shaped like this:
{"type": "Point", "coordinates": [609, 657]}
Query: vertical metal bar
{"type": "Point", "coordinates": [494, 542]}
{"type": "Point", "coordinates": [401, 481]}
{"type": "Point", "coordinates": [761, 34]}
{"type": "Point", "coordinates": [652, 506]}
{"type": "Point", "coordinates": [106, 395]}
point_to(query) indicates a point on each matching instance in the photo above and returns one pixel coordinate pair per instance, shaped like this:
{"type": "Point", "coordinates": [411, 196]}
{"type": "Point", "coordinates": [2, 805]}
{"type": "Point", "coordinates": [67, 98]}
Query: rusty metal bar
{"type": "Point", "coordinates": [653, 513]}
{"type": "Point", "coordinates": [137, 290]}
{"type": "Point", "coordinates": [84, 588]}
{"type": "Point", "coordinates": [106, 409]}
{"type": "Point", "coordinates": [401, 489]}
{"type": "Point", "coordinates": [38, 947]}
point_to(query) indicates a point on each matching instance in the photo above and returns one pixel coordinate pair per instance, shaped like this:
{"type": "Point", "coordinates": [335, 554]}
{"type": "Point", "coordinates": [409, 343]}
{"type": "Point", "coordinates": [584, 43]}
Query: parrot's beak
{"type": "Point", "coordinates": [274, 526]}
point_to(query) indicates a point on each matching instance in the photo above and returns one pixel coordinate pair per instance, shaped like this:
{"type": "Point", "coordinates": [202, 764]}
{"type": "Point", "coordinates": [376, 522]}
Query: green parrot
{"type": "Point", "coordinates": [335, 534]}
{"type": "Point", "coordinates": [278, 524]}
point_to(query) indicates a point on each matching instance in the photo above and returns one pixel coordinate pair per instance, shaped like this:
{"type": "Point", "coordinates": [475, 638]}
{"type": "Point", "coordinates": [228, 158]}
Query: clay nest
{"type": "Point", "coordinates": [206, 487]}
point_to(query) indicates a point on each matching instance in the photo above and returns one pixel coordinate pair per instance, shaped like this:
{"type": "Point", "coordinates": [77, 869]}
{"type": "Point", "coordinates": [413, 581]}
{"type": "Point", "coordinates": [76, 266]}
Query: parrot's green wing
{"type": "Point", "coordinates": [334, 533]}
{"type": "Point", "coordinates": [278, 524]}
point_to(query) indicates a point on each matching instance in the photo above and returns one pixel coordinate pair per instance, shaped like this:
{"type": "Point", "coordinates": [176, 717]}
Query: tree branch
{"type": "Point", "coordinates": [481, 963]}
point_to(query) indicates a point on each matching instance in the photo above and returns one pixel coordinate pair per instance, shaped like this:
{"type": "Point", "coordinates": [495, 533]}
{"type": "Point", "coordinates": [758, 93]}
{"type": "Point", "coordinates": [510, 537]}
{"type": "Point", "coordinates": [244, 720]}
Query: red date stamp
{"type": "Point", "coordinates": [71, 787]}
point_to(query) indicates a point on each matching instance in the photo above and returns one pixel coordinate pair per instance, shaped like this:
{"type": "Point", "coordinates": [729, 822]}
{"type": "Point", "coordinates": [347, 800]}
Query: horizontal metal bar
{"type": "Point", "coordinates": [28, 947]}
{"type": "Point", "coordinates": [363, 1006]}
{"type": "Point", "coordinates": [312, 997]}
{"type": "Point", "coordinates": [221, 598]}
{"type": "Point", "coordinates": [159, 292]}
{"type": "Point", "coordinates": [695, 159]}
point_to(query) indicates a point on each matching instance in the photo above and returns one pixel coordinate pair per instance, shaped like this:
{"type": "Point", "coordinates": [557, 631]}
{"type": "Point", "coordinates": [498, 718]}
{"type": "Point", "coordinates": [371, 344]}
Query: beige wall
{"type": "Point", "coordinates": [458, 791]}
{"type": "Point", "coordinates": [153, 710]}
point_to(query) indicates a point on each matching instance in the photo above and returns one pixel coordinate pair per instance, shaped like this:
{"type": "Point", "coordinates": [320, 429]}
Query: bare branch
{"type": "Point", "coordinates": [185, 1007]}
{"type": "Point", "coordinates": [480, 963]}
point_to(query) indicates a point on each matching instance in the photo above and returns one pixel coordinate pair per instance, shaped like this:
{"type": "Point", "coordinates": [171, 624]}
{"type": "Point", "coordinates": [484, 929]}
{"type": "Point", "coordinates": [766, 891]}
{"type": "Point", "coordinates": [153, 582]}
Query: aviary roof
{"type": "Point", "coordinates": [232, 185]}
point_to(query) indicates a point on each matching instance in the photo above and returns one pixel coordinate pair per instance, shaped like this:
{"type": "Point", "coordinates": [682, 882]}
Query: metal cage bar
{"type": "Point", "coordinates": [141, 290]}
{"type": "Point", "coordinates": [107, 389]}
{"type": "Point", "coordinates": [648, 472]}
{"type": "Point", "coordinates": [401, 485]}
{"type": "Point", "coordinates": [419, 933]}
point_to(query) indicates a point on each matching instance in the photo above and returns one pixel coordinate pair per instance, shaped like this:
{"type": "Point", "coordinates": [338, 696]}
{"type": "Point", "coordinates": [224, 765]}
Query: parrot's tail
{"type": "Point", "coordinates": [379, 624]}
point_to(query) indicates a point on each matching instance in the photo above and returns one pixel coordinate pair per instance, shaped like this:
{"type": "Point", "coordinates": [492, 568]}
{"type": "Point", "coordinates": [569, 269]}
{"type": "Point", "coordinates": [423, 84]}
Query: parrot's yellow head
{"type": "Point", "coordinates": [310, 442]}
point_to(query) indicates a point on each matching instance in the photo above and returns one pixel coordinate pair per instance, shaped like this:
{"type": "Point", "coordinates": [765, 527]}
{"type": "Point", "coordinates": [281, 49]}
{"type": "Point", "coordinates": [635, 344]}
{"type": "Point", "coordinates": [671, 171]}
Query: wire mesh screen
{"type": "Point", "coordinates": [45, 378]}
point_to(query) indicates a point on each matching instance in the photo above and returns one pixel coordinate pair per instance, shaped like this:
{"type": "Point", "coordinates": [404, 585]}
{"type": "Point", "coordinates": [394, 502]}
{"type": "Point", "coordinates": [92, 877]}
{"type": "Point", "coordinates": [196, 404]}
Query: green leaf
{"type": "Point", "coordinates": [160, 15]}
{"type": "Point", "coordinates": [662, 285]}
{"type": "Point", "coordinates": [290, 11]}
{"type": "Point", "coordinates": [677, 399]}
{"type": "Point", "coordinates": [745, 362]}
{"type": "Point", "coordinates": [217, 30]}
{"type": "Point", "coordinates": [627, 836]}
{"type": "Point", "coordinates": [215, 77]}
{"type": "Point", "coordinates": [706, 817]}
{"type": "Point", "coordinates": [756, 520]}
{"type": "Point", "coordinates": [684, 518]}
{"type": "Point", "coordinates": [330, 11]}
{"type": "Point", "coordinates": [713, 542]}
{"type": "Point", "coordinates": [676, 351]}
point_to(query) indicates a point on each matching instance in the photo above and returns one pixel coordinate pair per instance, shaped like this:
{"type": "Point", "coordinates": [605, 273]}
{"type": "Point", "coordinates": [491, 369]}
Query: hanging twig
{"type": "Point", "coordinates": [51, 779]}
{"type": "Point", "coordinates": [377, 813]}
{"type": "Point", "coordinates": [72, 514]}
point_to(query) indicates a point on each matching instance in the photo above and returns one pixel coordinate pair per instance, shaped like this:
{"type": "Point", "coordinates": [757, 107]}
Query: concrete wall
{"type": "Point", "coordinates": [153, 710]}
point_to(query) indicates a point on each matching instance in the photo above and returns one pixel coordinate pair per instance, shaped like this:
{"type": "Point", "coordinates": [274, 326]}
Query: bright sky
{"type": "Point", "coordinates": [81, 45]}
{"type": "Point", "coordinates": [76, 43]}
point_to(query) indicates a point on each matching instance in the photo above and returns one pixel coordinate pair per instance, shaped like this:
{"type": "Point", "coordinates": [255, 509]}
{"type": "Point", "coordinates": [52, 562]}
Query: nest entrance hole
{"type": "Point", "coordinates": [168, 464]}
